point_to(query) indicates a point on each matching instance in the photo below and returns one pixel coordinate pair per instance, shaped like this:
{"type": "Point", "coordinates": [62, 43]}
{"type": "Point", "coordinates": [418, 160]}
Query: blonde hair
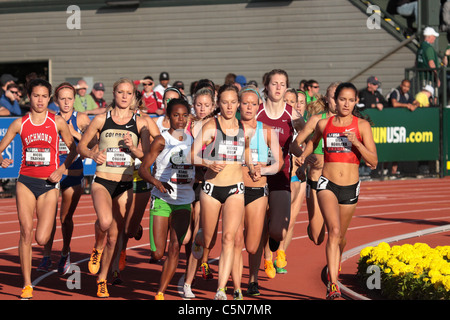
{"type": "Point", "coordinates": [134, 102]}
{"type": "Point", "coordinates": [315, 107]}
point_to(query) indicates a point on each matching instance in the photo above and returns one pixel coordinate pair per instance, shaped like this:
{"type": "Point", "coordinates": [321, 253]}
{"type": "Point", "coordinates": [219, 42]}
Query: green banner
{"type": "Point", "coordinates": [403, 135]}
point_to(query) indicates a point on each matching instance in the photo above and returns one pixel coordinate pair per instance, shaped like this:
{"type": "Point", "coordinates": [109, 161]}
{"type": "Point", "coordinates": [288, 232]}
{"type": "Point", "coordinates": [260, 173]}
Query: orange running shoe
{"type": "Point", "coordinates": [281, 259]}
{"type": "Point", "coordinates": [102, 290]}
{"type": "Point", "coordinates": [269, 269]}
{"type": "Point", "coordinates": [94, 261]}
{"type": "Point", "coordinates": [159, 296]}
{"type": "Point", "coordinates": [27, 292]}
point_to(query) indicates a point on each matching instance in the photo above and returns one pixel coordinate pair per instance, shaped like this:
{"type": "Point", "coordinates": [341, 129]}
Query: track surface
{"type": "Point", "coordinates": [385, 209]}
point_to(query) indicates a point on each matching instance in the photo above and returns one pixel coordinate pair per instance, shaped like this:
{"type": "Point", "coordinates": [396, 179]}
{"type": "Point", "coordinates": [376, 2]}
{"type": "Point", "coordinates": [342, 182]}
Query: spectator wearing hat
{"type": "Point", "coordinates": [97, 93]}
{"type": "Point", "coordinates": [6, 79]}
{"type": "Point", "coordinates": [152, 99]}
{"type": "Point", "coordinates": [10, 99]}
{"type": "Point", "coordinates": [425, 96]}
{"type": "Point", "coordinates": [179, 85]}
{"type": "Point", "coordinates": [427, 58]}
{"type": "Point", "coordinates": [240, 81]}
{"type": "Point", "coordinates": [84, 102]}
{"type": "Point", "coordinates": [164, 79]}
{"type": "Point", "coordinates": [370, 97]}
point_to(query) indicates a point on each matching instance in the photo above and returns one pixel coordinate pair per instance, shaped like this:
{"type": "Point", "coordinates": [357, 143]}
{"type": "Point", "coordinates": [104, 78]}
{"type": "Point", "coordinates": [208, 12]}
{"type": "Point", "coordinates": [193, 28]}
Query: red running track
{"type": "Point", "coordinates": [385, 209]}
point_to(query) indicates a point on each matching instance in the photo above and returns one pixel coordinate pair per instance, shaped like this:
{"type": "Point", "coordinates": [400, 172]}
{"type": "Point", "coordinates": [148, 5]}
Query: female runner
{"type": "Point", "coordinates": [169, 94]}
{"type": "Point", "coordinates": [172, 194]}
{"type": "Point", "coordinates": [277, 114]}
{"type": "Point", "coordinates": [141, 195]}
{"type": "Point", "coordinates": [346, 139]}
{"type": "Point", "coordinates": [37, 185]}
{"type": "Point", "coordinates": [71, 184]}
{"type": "Point", "coordinates": [262, 138]}
{"type": "Point", "coordinates": [205, 108]}
{"type": "Point", "coordinates": [120, 131]}
{"type": "Point", "coordinates": [316, 226]}
{"type": "Point", "coordinates": [223, 187]}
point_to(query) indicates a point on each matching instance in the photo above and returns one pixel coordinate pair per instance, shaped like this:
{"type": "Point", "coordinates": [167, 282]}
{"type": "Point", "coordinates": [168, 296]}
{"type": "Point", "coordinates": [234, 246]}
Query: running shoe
{"type": "Point", "coordinates": [64, 264]}
{"type": "Point", "coordinates": [123, 259]}
{"type": "Point", "coordinates": [269, 269]}
{"type": "Point", "coordinates": [221, 294]}
{"type": "Point", "coordinates": [279, 270]}
{"type": "Point", "coordinates": [253, 289]}
{"type": "Point", "coordinates": [159, 296]}
{"type": "Point", "coordinates": [333, 291]}
{"type": "Point", "coordinates": [94, 261]}
{"type": "Point", "coordinates": [237, 295]}
{"type": "Point", "coordinates": [45, 265]}
{"type": "Point", "coordinates": [187, 292]}
{"type": "Point", "coordinates": [197, 251]}
{"type": "Point", "coordinates": [27, 292]}
{"type": "Point", "coordinates": [206, 271]}
{"type": "Point", "coordinates": [281, 259]}
{"type": "Point", "coordinates": [116, 280]}
{"type": "Point", "coordinates": [102, 290]}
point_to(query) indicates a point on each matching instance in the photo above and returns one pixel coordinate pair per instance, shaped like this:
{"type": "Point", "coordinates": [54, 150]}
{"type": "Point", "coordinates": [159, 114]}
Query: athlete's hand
{"type": "Point", "coordinates": [128, 140]}
{"type": "Point", "coordinates": [100, 156]}
{"type": "Point", "coordinates": [6, 163]}
{"type": "Point", "coordinates": [255, 174]}
{"type": "Point", "coordinates": [216, 167]}
{"type": "Point", "coordinates": [351, 136]}
{"type": "Point", "coordinates": [299, 161]}
{"type": "Point", "coordinates": [55, 176]}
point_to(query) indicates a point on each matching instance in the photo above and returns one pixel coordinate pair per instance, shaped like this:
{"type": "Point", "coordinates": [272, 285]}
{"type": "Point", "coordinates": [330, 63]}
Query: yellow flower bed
{"type": "Point", "coordinates": [408, 271]}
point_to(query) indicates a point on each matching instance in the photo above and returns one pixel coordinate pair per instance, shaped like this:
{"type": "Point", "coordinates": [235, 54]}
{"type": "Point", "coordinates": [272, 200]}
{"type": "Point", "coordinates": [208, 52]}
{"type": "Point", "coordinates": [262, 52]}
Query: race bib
{"type": "Point", "coordinates": [37, 157]}
{"type": "Point", "coordinates": [337, 143]}
{"type": "Point", "coordinates": [118, 157]}
{"type": "Point", "coordinates": [63, 149]}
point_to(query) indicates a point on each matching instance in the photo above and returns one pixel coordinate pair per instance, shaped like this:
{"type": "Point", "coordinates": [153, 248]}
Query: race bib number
{"type": "Point", "coordinates": [182, 174]}
{"type": "Point", "coordinates": [338, 143]}
{"type": "Point", "coordinates": [322, 183]}
{"type": "Point", "coordinates": [37, 157]}
{"type": "Point", "coordinates": [118, 157]}
{"type": "Point", "coordinates": [230, 152]}
{"type": "Point", "coordinates": [63, 147]}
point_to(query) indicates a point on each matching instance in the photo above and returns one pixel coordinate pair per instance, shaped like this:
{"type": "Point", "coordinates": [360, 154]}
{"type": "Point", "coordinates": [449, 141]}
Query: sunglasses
{"type": "Point", "coordinates": [147, 84]}
{"type": "Point", "coordinates": [15, 92]}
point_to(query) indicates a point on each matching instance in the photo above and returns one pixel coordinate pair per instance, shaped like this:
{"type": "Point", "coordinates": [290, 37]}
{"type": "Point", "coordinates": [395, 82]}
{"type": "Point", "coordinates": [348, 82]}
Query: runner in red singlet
{"type": "Point", "coordinates": [346, 139]}
{"type": "Point", "coordinates": [37, 187]}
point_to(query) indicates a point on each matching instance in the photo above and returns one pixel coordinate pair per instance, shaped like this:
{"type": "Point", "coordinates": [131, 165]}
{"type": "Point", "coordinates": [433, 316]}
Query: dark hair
{"type": "Point", "coordinates": [227, 87]}
{"type": "Point", "coordinates": [355, 112]}
{"type": "Point", "coordinates": [39, 83]}
{"type": "Point", "coordinates": [345, 85]}
{"type": "Point", "coordinates": [174, 102]}
{"type": "Point", "coordinates": [205, 83]}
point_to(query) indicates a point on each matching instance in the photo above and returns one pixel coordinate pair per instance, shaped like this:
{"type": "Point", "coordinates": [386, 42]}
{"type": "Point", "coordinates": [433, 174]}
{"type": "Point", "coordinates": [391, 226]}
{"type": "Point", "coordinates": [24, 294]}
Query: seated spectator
{"type": "Point", "coordinates": [401, 98]}
{"type": "Point", "coordinates": [180, 86]}
{"type": "Point", "coordinates": [97, 93]}
{"type": "Point", "coordinates": [370, 97]}
{"type": "Point", "coordinates": [10, 99]}
{"type": "Point", "coordinates": [84, 102]}
{"type": "Point", "coordinates": [424, 97]}
{"type": "Point", "coordinates": [6, 79]}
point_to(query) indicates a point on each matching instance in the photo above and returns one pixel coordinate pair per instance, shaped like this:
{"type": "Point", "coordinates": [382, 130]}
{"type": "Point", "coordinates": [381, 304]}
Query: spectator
{"type": "Point", "coordinates": [424, 97]}
{"type": "Point", "coordinates": [180, 86]}
{"type": "Point", "coordinates": [312, 91]}
{"type": "Point", "coordinates": [97, 93]}
{"type": "Point", "coordinates": [152, 99]}
{"type": "Point", "coordinates": [230, 78]}
{"type": "Point", "coordinates": [401, 98]}
{"type": "Point", "coordinates": [370, 97]}
{"type": "Point", "coordinates": [84, 102]}
{"type": "Point", "coordinates": [10, 99]}
{"type": "Point", "coordinates": [163, 83]}
{"type": "Point", "coordinates": [405, 8]}
{"type": "Point", "coordinates": [6, 79]}
{"type": "Point", "coordinates": [240, 82]}
{"type": "Point", "coordinates": [302, 85]}
{"type": "Point", "coordinates": [428, 58]}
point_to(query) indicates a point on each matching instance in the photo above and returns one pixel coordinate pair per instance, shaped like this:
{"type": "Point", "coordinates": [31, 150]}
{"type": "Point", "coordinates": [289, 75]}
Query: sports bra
{"type": "Point", "coordinates": [226, 148]}
{"type": "Point", "coordinates": [337, 148]}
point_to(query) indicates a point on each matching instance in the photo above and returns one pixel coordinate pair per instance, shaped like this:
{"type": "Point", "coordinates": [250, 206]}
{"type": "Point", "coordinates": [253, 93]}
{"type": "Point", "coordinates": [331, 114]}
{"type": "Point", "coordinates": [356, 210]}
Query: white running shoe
{"type": "Point", "coordinates": [188, 292]}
